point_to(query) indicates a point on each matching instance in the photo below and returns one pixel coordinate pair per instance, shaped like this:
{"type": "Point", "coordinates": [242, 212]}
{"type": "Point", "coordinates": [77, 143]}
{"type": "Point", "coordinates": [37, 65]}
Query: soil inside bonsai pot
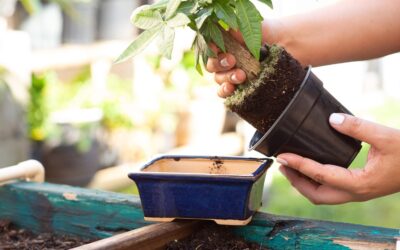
{"type": "Point", "coordinates": [262, 100]}
{"type": "Point", "coordinates": [12, 237]}
{"type": "Point", "coordinates": [211, 237]}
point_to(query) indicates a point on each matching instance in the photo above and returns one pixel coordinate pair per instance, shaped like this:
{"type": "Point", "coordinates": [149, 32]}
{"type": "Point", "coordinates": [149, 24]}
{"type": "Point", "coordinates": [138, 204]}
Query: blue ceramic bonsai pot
{"type": "Point", "coordinates": [227, 190]}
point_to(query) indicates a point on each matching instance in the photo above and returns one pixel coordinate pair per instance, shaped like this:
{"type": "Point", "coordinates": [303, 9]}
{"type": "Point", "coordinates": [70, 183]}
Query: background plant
{"type": "Point", "coordinates": [33, 6]}
{"type": "Point", "coordinates": [37, 109]}
{"type": "Point", "coordinates": [207, 18]}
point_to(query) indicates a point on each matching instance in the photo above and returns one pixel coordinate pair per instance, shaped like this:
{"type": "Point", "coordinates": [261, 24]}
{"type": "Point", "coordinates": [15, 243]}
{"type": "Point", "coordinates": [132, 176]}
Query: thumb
{"type": "Point", "coordinates": [358, 128]}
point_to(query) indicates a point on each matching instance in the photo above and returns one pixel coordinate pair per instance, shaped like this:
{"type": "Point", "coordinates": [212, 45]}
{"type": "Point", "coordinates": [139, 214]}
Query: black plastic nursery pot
{"type": "Point", "coordinates": [303, 128]}
{"type": "Point", "coordinates": [66, 164]}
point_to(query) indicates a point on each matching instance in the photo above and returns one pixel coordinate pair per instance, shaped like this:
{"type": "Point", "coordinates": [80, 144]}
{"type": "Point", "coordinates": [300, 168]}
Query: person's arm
{"type": "Point", "coordinates": [345, 31]}
{"type": "Point", "coordinates": [348, 30]}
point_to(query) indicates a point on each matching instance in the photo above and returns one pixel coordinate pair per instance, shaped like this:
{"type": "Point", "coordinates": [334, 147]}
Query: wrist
{"type": "Point", "coordinates": [280, 32]}
{"type": "Point", "coordinates": [271, 32]}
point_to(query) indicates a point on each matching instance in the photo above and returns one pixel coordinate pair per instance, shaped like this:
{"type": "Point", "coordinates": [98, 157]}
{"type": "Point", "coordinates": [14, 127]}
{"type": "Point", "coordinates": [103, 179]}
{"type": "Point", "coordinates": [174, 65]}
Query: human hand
{"type": "Point", "coordinates": [225, 72]}
{"type": "Point", "coordinates": [329, 184]}
{"type": "Point", "coordinates": [223, 66]}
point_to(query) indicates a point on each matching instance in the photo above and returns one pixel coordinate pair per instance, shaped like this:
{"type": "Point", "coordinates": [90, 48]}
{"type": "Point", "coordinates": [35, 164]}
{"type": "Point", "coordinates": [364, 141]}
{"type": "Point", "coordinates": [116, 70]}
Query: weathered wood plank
{"type": "Point", "coordinates": [281, 232]}
{"type": "Point", "coordinates": [70, 210]}
{"type": "Point", "coordinates": [91, 213]}
{"type": "Point", "coordinates": [150, 237]}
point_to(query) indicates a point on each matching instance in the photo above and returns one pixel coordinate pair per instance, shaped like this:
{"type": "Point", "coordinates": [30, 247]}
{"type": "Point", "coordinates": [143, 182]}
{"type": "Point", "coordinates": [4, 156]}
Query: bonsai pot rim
{"type": "Point", "coordinates": [200, 176]}
{"type": "Point", "coordinates": [282, 115]}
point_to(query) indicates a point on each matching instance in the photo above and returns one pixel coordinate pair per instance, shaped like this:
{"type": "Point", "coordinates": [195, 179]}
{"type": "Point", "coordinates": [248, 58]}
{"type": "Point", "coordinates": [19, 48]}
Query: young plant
{"type": "Point", "coordinates": [210, 20]}
{"type": "Point", "coordinates": [271, 82]}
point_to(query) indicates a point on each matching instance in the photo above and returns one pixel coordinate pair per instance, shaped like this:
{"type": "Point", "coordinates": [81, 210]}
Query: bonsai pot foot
{"type": "Point", "coordinates": [218, 221]}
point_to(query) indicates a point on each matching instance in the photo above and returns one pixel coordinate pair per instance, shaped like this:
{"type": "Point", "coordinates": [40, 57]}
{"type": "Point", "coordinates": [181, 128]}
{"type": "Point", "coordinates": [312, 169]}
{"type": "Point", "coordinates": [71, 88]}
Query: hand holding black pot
{"type": "Point", "coordinates": [329, 184]}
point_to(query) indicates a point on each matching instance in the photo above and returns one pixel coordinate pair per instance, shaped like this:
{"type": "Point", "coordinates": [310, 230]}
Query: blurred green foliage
{"type": "Point", "coordinates": [48, 94]}
{"type": "Point", "coordinates": [37, 108]}
{"type": "Point", "coordinates": [33, 6]}
{"type": "Point", "coordinates": [132, 189]}
{"type": "Point", "coordinates": [80, 93]}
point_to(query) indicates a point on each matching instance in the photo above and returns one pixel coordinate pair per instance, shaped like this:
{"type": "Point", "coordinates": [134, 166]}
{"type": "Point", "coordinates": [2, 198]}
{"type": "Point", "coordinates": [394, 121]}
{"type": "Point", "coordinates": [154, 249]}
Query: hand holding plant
{"type": "Point", "coordinates": [213, 22]}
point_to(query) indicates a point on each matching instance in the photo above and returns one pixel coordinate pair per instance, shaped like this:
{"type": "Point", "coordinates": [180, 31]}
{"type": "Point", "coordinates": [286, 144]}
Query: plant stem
{"type": "Point", "coordinates": [244, 59]}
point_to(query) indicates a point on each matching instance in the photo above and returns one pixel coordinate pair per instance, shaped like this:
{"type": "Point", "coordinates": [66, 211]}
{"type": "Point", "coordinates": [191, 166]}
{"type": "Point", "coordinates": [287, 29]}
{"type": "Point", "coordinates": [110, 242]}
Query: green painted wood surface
{"type": "Point", "coordinates": [278, 232]}
{"type": "Point", "coordinates": [97, 214]}
{"type": "Point", "coordinates": [69, 210]}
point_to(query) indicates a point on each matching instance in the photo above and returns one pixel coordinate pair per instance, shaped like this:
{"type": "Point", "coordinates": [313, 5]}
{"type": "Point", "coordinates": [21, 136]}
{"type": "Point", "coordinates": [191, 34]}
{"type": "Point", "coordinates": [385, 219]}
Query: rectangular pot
{"type": "Point", "coordinates": [227, 190]}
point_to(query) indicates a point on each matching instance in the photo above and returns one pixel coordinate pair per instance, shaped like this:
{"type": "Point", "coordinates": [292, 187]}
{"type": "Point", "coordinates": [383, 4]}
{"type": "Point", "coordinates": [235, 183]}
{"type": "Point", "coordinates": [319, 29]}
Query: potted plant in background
{"type": "Point", "coordinates": [79, 24]}
{"type": "Point", "coordinates": [283, 101]}
{"type": "Point", "coordinates": [65, 142]}
{"type": "Point", "coordinates": [34, 17]}
{"type": "Point", "coordinates": [111, 19]}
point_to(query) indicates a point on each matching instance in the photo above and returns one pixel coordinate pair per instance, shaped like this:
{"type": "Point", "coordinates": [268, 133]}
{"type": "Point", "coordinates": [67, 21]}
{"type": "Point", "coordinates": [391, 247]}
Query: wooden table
{"type": "Point", "coordinates": [97, 214]}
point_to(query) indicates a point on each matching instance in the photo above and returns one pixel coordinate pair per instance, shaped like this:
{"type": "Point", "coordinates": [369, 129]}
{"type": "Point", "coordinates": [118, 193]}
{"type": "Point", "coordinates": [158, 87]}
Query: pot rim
{"type": "Point", "coordinates": [265, 164]}
{"type": "Point", "coordinates": [309, 67]}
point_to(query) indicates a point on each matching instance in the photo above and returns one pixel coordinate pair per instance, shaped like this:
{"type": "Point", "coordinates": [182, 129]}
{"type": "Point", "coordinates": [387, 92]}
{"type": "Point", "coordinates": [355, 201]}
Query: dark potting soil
{"type": "Point", "coordinates": [263, 106]}
{"type": "Point", "coordinates": [13, 238]}
{"type": "Point", "coordinates": [213, 237]}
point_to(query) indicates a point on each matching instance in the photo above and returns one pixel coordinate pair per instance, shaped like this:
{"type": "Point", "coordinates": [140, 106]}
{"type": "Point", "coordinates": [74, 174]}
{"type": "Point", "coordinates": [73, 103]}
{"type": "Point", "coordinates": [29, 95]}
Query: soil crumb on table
{"type": "Point", "coordinates": [12, 237]}
{"type": "Point", "coordinates": [213, 237]}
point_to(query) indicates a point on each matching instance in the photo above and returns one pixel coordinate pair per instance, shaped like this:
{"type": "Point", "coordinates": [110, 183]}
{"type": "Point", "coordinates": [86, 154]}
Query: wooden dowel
{"type": "Point", "coordinates": [150, 237]}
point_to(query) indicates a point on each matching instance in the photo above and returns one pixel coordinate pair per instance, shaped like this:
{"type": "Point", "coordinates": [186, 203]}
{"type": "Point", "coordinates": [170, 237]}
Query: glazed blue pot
{"type": "Point", "coordinates": [227, 190]}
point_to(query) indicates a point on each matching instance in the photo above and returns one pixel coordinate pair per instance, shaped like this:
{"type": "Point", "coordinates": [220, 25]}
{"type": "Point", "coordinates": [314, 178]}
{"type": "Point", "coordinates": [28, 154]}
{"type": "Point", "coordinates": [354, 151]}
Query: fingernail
{"type": "Point", "coordinates": [282, 161]}
{"type": "Point", "coordinates": [225, 88]}
{"type": "Point", "coordinates": [224, 62]}
{"type": "Point", "coordinates": [234, 78]}
{"type": "Point", "coordinates": [336, 118]}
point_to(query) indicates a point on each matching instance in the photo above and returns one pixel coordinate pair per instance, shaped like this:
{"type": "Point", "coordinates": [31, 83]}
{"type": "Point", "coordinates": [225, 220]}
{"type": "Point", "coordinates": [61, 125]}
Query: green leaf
{"type": "Point", "coordinates": [186, 7]}
{"type": "Point", "coordinates": [267, 2]}
{"type": "Point", "coordinates": [140, 43]}
{"type": "Point", "coordinates": [216, 35]}
{"type": "Point", "coordinates": [203, 15]}
{"type": "Point", "coordinates": [197, 59]}
{"type": "Point", "coordinates": [250, 26]}
{"type": "Point", "coordinates": [200, 49]}
{"type": "Point", "coordinates": [201, 42]}
{"type": "Point", "coordinates": [209, 53]}
{"type": "Point", "coordinates": [224, 25]}
{"type": "Point", "coordinates": [146, 19]}
{"type": "Point", "coordinates": [168, 36]}
{"type": "Point", "coordinates": [198, 68]}
{"type": "Point", "coordinates": [172, 7]}
{"type": "Point", "coordinates": [162, 4]}
{"type": "Point", "coordinates": [179, 19]}
{"type": "Point", "coordinates": [226, 13]}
